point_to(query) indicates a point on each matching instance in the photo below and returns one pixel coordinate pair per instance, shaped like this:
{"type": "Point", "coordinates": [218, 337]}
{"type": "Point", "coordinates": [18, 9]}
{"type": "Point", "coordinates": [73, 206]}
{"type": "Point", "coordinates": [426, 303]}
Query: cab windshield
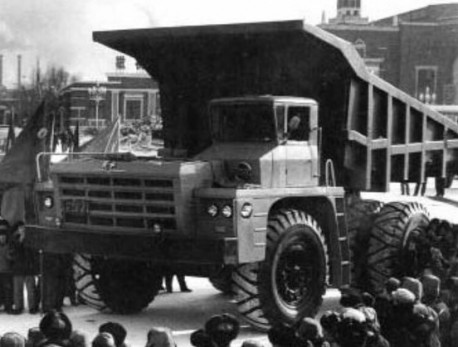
{"type": "Point", "coordinates": [243, 122]}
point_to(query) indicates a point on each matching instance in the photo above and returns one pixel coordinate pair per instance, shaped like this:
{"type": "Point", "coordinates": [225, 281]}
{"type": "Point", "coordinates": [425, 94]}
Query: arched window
{"type": "Point", "coordinates": [360, 46]}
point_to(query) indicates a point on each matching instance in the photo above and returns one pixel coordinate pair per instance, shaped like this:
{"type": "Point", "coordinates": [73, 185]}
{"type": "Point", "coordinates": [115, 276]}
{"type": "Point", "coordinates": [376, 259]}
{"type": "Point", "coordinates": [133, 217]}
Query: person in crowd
{"type": "Point", "coordinates": [414, 286]}
{"type": "Point", "coordinates": [57, 329]}
{"type": "Point", "coordinates": [12, 339]}
{"type": "Point", "coordinates": [352, 329]}
{"type": "Point", "coordinates": [329, 322]}
{"type": "Point", "coordinates": [350, 298]}
{"type": "Point", "coordinates": [281, 335]}
{"type": "Point", "coordinates": [431, 298]}
{"type": "Point", "coordinates": [395, 328]}
{"type": "Point", "coordinates": [34, 337]}
{"type": "Point", "coordinates": [118, 332]}
{"type": "Point", "coordinates": [68, 288]}
{"type": "Point", "coordinates": [53, 284]}
{"type": "Point", "coordinates": [6, 279]}
{"type": "Point", "coordinates": [424, 327]}
{"type": "Point", "coordinates": [25, 267]}
{"type": "Point", "coordinates": [309, 332]}
{"type": "Point", "coordinates": [103, 340]}
{"type": "Point", "coordinates": [78, 339]}
{"type": "Point", "coordinates": [200, 338]}
{"type": "Point", "coordinates": [160, 337]}
{"type": "Point", "coordinates": [222, 329]}
{"type": "Point", "coordinates": [369, 311]}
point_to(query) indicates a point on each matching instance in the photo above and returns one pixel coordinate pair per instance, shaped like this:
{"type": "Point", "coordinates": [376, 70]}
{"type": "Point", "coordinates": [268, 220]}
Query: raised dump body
{"type": "Point", "coordinates": [373, 132]}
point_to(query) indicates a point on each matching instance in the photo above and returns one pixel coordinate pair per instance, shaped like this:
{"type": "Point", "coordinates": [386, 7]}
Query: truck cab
{"type": "Point", "coordinates": [265, 141]}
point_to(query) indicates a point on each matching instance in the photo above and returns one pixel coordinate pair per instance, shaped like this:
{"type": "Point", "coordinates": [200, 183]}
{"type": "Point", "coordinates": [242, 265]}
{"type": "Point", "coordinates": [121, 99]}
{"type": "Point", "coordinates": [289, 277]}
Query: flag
{"type": "Point", "coordinates": [19, 164]}
{"type": "Point", "coordinates": [107, 141]}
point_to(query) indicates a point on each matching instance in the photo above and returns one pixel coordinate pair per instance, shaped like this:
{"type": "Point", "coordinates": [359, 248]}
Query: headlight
{"type": "Point", "coordinates": [226, 211]}
{"type": "Point", "coordinates": [212, 210]}
{"type": "Point", "coordinates": [246, 210]}
{"type": "Point", "coordinates": [58, 222]}
{"type": "Point", "coordinates": [48, 202]}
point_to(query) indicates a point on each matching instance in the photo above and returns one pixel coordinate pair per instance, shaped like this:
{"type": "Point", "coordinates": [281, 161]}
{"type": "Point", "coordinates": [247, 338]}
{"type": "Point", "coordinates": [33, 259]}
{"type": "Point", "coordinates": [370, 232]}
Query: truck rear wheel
{"type": "Point", "coordinates": [361, 215]}
{"type": "Point", "coordinates": [127, 286]}
{"type": "Point", "coordinates": [85, 282]}
{"type": "Point", "coordinates": [290, 282]}
{"type": "Point", "coordinates": [222, 279]}
{"type": "Point", "coordinates": [394, 235]}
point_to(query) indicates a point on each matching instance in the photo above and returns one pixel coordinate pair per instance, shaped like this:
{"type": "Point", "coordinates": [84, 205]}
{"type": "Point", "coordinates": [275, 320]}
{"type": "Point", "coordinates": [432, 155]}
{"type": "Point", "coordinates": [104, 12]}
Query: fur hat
{"type": "Point", "coordinates": [353, 315]}
{"type": "Point", "coordinates": [118, 332]}
{"type": "Point", "coordinates": [403, 296]}
{"type": "Point", "coordinates": [160, 337]}
{"type": "Point", "coordinates": [431, 286]}
{"type": "Point", "coordinates": [12, 340]}
{"type": "Point", "coordinates": [392, 284]}
{"type": "Point", "coordinates": [104, 340]}
{"type": "Point", "coordinates": [56, 326]}
{"type": "Point", "coordinates": [414, 286]}
{"type": "Point", "coordinates": [329, 320]}
{"type": "Point", "coordinates": [309, 329]}
{"type": "Point", "coordinates": [281, 335]}
{"type": "Point", "coordinates": [200, 338]}
{"type": "Point", "coordinates": [34, 337]}
{"type": "Point", "coordinates": [350, 297]}
{"type": "Point", "coordinates": [222, 328]}
{"type": "Point", "coordinates": [78, 339]}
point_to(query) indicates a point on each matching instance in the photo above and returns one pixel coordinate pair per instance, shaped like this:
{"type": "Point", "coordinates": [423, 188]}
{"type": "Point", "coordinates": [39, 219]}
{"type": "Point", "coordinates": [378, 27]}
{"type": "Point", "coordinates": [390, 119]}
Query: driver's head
{"type": "Point", "coordinates": [294, 123]}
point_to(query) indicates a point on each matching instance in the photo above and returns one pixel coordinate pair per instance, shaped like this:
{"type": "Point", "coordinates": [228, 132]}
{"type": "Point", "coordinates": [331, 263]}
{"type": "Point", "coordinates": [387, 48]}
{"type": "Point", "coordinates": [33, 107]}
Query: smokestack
{"type": "Point", "coordinates": [19, 58]}
{"type": "Point", "coordinates": [1, 70]}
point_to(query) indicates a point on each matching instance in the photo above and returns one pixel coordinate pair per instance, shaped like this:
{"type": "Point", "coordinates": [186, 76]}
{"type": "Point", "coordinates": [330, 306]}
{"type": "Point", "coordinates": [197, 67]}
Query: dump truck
{"type": "Point", "coordinates": [271, 131]}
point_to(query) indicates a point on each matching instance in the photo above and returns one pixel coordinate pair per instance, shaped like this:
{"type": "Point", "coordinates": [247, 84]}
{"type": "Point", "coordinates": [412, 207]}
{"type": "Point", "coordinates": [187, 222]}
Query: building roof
{"type": "Point", "coordinates": [441, 13]}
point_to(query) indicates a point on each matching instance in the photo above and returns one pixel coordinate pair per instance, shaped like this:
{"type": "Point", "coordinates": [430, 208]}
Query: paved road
{"type": "Point", "coordinates": [182, 312]}
{"type": "Point", "coordinates": [187, 312]}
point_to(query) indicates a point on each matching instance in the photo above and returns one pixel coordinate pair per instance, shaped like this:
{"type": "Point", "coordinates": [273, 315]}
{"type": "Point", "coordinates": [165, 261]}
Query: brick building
{"type": "Point", "coordinates": [416, 51]}
{"type": "Point", "coordinates": [131, 96]}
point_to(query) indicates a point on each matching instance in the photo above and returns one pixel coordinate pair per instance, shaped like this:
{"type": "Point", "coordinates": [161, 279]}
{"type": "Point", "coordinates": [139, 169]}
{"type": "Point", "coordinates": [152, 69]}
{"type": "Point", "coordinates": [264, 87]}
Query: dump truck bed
{"type": "Point", "coordinates": [373, 132]}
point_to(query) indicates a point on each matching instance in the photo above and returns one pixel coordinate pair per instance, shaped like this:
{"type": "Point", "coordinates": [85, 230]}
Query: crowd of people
{"type": "Point", "coordinates": [409, 312]}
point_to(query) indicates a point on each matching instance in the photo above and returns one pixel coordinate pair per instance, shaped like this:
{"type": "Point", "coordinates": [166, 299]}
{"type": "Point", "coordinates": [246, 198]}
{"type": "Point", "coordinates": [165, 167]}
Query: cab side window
{"type": "Point", "coordinates": [298, 123]}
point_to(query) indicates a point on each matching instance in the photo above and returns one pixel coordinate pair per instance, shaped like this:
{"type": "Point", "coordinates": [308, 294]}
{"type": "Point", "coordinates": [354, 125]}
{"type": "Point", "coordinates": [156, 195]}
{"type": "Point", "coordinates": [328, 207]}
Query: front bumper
{"type": "Point", "coordinates": [159, 249]}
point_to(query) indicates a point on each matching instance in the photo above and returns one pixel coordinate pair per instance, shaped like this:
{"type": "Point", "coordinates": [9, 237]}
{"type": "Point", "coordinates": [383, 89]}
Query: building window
{"type": "Point", "coordinates": [360, 46]}
{"type": "Point", "coordinates": [426, 84]}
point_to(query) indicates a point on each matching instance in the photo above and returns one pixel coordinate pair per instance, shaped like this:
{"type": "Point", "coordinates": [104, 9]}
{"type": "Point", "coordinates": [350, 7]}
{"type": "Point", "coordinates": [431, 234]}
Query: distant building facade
{"type": "Point", "coordinates": [416, 51]}
{"type": "Point", "coordinates": [131, 96]}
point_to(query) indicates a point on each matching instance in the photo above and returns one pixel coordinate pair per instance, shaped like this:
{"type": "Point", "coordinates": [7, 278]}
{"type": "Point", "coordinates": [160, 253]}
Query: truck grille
{"type": "Point", "coordinates": [117, 203]}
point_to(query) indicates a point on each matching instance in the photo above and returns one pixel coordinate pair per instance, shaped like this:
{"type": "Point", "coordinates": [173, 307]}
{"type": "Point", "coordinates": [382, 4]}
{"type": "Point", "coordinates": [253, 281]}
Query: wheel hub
{"type": "Point", "coordinates": [294, 275]}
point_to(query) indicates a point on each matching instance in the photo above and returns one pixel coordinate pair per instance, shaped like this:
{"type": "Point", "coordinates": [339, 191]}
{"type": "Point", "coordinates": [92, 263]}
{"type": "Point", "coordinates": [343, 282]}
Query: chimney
{"type": "Point", "coordinates": [1, 70]}
{"type": "Point", "coordinates": [19, 58]}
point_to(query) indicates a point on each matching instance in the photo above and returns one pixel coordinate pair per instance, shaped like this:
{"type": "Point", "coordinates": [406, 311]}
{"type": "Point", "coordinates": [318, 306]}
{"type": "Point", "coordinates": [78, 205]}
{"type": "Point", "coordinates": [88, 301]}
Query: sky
{"type": "Point", "coordinates": [59, 32]}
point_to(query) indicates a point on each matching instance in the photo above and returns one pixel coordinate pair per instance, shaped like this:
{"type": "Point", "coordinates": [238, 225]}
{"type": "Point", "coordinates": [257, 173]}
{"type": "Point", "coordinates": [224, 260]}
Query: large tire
{"type": "Point", "coordinates": [361, 215]}
{"type": "Point", "coordinates": [290, 282]}
{"type": "Point", "coordinates": [127, 286]}
{"type": "Point", "coordinates": [85, 279]}
{"type": "Point", "coordinates": [398, 225]}
{"type": "Point", "coordinates": [222, 279]}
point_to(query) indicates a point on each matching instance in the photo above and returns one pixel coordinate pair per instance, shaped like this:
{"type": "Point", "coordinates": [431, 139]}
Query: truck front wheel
{"type": "Point", "coordinates": [290, 282]}
{"type": "Point", "coordinates": [123, 286]}
{"type": "Point", "coordinates": [127, 286]}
